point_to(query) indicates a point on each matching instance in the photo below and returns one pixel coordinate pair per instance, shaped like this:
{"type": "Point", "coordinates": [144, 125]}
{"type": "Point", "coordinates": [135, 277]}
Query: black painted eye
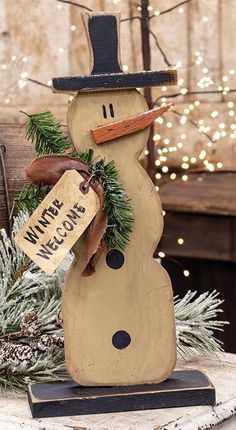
{"type": "Point", "coordinates": [104, 111]}
{"type": "Point", "coordinates": [111, 110]}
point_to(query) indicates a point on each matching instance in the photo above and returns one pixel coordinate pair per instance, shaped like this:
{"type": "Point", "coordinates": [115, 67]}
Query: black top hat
{"type": "Point", "coordinates": [103, 30]}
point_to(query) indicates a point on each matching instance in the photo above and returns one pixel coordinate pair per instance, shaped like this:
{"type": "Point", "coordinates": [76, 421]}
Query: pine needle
{"type": "Point", "coordinates": [45, 131]}
{"type": "Point", "coordinates": [35, 291]}
{"type": "Point", "coordinates": [117, 203]}
{"type": "Point", "coordinates": [29, 198]}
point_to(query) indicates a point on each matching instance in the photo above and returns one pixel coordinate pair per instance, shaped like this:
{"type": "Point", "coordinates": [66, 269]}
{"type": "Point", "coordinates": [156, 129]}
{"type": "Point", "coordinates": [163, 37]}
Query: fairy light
{"type": "Point", "coordinates": [202, 155]}
{"type": "Point", "coordinates": [180, 241]}
{"type": "Point", "coordinates": [183, 120]}
{"type": "Point", "coordinates": [180, 82]}
{"type": "Point", "coordinates": [163, 213]}
{"type": "Point", "coordinates": [186, 273]}
{"type": "Point", "coordinates": [218, 131]}
{"type": "Point", "coordinates": [165, 169]}
{"type": "Point", "coordinates": [156, 137]}
{"type": "Point", "coordinates": [161, 254]}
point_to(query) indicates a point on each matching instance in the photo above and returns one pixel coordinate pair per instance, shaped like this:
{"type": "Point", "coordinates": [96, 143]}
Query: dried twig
{"type": "Point", "coordinates": [130, 18]}
{"type": "Point", "coordinates": [194, 123]}
{"type": "Point", "coordinates": [35, 81]}
{"type": "Point", "coordinates": [170, 9]}
{"type": "Point", "coordinates": [76, 4]}
{"type": "Point", "coordinates": [160, 49]}
{"type": "Point", "coordinates": [191, 93]}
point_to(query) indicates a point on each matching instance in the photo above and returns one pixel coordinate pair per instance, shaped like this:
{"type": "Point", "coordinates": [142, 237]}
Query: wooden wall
{"type": "Point", "coordinates": [41, 31]}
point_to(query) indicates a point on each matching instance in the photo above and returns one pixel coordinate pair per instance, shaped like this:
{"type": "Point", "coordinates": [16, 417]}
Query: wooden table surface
{"type": "Point", "coordinates": [15, 413]}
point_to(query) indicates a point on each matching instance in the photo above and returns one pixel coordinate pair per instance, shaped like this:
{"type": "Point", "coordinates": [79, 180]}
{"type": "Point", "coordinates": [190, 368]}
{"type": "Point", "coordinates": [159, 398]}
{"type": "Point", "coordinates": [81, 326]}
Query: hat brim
{"type": "Point", "coordinates": [95, 82]}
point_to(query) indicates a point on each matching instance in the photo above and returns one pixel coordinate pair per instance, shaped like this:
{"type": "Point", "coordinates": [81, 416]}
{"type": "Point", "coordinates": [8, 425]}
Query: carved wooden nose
{"type": "Point", "coordinates": [127, 126]}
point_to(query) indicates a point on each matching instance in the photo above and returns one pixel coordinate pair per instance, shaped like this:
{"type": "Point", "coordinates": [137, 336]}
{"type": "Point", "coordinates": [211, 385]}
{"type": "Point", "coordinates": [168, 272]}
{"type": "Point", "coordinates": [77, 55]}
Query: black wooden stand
{"type": "Point", "coordinates": [61, 398]}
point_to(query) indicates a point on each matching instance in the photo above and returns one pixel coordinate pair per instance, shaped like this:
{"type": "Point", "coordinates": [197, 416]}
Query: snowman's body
{"type": "Point", "coordinates": [119, 323]}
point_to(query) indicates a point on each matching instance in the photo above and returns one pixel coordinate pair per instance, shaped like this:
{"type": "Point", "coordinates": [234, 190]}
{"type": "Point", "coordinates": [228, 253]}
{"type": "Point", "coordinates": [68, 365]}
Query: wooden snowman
{"type": "Point", "coordinates": [119, 323]}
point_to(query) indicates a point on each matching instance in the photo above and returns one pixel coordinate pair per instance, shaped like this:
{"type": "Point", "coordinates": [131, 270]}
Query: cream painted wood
{"type": "Point", "coordinates": [136, 298]}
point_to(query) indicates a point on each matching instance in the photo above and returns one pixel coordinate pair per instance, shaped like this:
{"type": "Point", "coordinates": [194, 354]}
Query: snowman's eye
{"type": "Point", "coordinates": [111, 110]}
{"type": "Point", "coordinates": [104, 111]}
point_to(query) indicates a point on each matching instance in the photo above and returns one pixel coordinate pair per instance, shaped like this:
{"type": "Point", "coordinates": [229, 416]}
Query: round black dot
{"type": "Point", "coordinates": [115, 259]}
{"type": "Point", "coordinates": [121, 339]}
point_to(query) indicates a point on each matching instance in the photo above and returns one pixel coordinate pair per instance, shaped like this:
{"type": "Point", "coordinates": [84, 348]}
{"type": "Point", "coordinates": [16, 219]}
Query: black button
{"type": "Point", "coordinates": [115, 259]}
{"type": "Point", "coordinates": [121, 339]}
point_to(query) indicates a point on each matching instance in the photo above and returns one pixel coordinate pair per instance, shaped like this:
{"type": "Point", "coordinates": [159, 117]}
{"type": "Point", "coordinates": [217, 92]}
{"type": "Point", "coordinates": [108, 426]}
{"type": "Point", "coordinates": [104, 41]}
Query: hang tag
{"type": "Point", "coordinates": [58, 222]}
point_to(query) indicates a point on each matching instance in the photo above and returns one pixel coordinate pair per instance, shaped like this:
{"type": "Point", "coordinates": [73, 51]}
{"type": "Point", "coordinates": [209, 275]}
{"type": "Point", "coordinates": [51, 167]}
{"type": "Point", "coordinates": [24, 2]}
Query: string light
{"type": "Point", "coordinates": [216, 130]}
{"type": "Point", "coordinates": [180, 241]}
{"type": "Point", "coordinates": [186, 273]}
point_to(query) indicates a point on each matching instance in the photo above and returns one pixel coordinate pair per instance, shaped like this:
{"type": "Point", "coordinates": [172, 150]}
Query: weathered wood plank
{"type": "Point", "coordinates": [228, 44]}
{"type": "Point", "coordinates": [205, 236]}
{"type": "Point", "coordinates": [38, 40]}
{"type": "Point", "coordinates": [203, 194]}
{"type": "Point", "coordinates": [61, 398]}
{"type": "Point", "coordinates": [205, 39]}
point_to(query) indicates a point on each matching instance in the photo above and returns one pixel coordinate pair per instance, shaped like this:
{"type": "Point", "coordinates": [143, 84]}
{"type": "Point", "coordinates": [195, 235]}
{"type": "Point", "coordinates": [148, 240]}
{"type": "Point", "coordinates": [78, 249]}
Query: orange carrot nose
{"type": "Point", "coordinates": [126, 126]}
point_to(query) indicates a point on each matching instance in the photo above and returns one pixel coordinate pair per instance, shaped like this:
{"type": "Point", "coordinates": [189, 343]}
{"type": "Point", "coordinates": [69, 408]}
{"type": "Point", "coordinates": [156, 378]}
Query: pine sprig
{"type": "Point", "coordinates": [196, 323]}
{"type": "Point", "coordinates": [117, 203]}
{"type": "Point", "coordinates": [117, 206]}
{"type": "Point", "coordinates": [29, 198]}
{"type": "Point", "coordinates": [34, 291]}
{"type": "Point", "coordinates": [45, 131]}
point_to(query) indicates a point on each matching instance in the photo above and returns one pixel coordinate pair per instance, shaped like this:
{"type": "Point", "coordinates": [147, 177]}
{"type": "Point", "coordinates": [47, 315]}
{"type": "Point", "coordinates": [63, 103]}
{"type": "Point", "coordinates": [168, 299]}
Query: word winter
{"type": "Point", "coordinates": [44, 222]}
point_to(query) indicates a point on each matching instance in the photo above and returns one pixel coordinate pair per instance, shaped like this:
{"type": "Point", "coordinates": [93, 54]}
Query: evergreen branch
{"type": "Point", "coordinates": [29, 198]}
{"type": "Point", "coordinates": [196, 323]}
{"type": "Point", "coordinates": [117, 203]}
{"type": "Point", "coordinates": [22, 360]}
{"type": "Point", "coordinates": [45, 131]}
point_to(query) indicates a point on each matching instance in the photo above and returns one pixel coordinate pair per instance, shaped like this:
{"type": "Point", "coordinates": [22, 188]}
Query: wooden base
{"type": "Point", "coordinates": [63, 398]}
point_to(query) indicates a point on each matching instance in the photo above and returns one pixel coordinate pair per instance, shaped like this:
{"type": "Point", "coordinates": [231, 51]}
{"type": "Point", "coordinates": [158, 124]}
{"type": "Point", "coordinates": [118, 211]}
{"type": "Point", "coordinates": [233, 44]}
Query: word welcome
{"type": "Point", "coordinates": [49, 214]}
